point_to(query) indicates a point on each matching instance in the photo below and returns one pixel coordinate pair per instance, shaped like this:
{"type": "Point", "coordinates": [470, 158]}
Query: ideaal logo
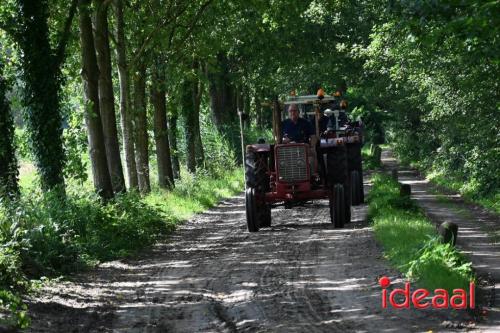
{"type": "Point", "coordinates": [440, 299]}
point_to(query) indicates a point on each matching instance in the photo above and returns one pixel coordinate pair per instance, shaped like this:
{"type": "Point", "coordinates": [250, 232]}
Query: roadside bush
{"type": "Point", "coordinates": [369, 160]}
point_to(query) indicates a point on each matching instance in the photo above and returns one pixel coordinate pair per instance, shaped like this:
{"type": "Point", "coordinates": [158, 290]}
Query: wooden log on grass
{"type": "Point", "coordinates": [377, 153]}
{"type": "Point", "coordinates": [404, 190]}
{"type": "Point", "coordinates": [448, 232]}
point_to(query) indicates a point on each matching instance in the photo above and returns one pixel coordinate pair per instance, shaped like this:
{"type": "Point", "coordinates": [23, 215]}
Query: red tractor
{"type": "Point", "coordinates": [292, 173]}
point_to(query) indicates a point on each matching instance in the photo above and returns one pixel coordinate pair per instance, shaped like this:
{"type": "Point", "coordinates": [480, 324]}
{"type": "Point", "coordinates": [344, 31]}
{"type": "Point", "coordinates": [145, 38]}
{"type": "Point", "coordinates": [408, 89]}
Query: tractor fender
{"type": "Point", "coordinates": [259, 148]}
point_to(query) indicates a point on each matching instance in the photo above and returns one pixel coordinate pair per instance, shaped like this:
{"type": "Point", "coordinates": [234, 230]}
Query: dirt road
{"type": "Point", "coordinates": [211, 275]}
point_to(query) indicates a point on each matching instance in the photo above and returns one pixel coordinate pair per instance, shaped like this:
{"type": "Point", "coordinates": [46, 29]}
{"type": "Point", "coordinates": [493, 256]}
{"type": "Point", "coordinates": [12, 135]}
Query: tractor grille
{"type": "Point", "coordinates": [292, 163]}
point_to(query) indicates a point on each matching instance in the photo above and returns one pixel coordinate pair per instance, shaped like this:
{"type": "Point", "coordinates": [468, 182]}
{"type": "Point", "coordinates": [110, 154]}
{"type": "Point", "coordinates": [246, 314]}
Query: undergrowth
{"type": "Point", "coordinates": [44, 235]}
{"type": "Point", "coordinates": [370, 161]}
{"type": "Point", "coordinates": [410, 240]}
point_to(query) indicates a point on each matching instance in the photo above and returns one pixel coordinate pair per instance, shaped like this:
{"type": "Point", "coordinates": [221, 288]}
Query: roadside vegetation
{"type": "Point", "coordinates": [371, 159]}
{"type": "Point", "coordinates": [119, 118]}
{"type": "Point", "coordinates": [410, 240]}
{"type": "Point", "coordinates": [47, 236]}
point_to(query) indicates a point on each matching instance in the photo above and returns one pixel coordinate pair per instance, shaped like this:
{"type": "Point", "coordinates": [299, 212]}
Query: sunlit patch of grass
{"type": "Point", "coordinates": [369, 160]}
{"type": "Point", "coordinates": [195, 193]}
{"type": "Point", "coordinates": [410, 240]}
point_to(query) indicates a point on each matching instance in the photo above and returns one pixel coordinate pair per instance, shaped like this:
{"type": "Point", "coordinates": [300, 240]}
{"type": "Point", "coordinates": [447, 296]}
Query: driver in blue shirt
{"type": "Point", "coordinates": [295, 128]}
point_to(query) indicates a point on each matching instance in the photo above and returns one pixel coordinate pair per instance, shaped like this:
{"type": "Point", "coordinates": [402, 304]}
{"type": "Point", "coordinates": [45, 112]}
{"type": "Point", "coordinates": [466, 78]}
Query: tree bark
{"type": "Point", "coordinates": [125, 111]}
{"type": "Point", "coordinates": [246, 108]}
{"type": "Point", "coordinates": [188, 112]}
{"type": "Point", "coordinates": [222, 95]}
{"type": "Point", "coordinates": [90, 76]}
{"type": "Point", "coordinates": [41, 73]}
{"type": "Point", "coordinates": [8, 162]}
{"type": "Point", "coordinates": [176, 167]}
{"type": "Point", "coordinates": [141, 139]}
{"type": "Point", "coordinates": [106, 97]}
{"type": "Point", "coordinates": [197, 94]}
{"type": "Point", "coordinates": [258, 112]}
{"type": "Point", "coordinates": [165, 172]}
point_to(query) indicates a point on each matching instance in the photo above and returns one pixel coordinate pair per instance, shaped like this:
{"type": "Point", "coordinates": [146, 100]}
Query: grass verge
{"type": "Point", "coordinates": [410, 240]}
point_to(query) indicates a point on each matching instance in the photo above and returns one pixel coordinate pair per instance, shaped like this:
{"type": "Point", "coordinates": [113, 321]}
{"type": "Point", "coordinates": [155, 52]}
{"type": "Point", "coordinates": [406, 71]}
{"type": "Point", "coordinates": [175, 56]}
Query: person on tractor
{"type": "Point", "coordinates": [295, 128]}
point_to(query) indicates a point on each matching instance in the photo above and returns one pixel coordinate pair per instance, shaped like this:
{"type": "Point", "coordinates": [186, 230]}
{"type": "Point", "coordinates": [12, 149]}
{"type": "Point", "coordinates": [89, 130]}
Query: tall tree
{"type": "Point", "coordinates": [41, 69]}
{"type": "Point", "coordinates": [141, 122]}
{"type": "Point", "coordinates": [173, 134]}
{"type": "Point", "coordinates": [106, 97]}
{"type": "Point", "coordinates": [188, 91]}
{"type": "Point", "coordinates": [197, 95]}
{"type": "Point", "coordinates": [125, 111]}
{"type": "Point", "coordinates": [90, 76]}
{"type": "Point", "coordinates": [8, 163]}
{"type": "Point", "coordinates": [221, 92]}
{"type": "Point", "coordinates": [163, 158]}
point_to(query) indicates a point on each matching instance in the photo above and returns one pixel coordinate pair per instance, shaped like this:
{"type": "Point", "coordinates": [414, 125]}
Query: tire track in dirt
{"type": "Point", "coordinates": [211, 275]}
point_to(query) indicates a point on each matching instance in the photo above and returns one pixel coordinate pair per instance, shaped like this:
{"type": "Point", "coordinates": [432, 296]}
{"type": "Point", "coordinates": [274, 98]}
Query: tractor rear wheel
{"type": "Point", "coordinates": [251, 210]}
{"type": "Point", "coordinates": [355, 189]}
{"type": "Point", "coordinates": [354, 162]}
{"type": "Point", "coordinates": [336, 160]}
{"type": "Point", "coordinates": [337, 206]}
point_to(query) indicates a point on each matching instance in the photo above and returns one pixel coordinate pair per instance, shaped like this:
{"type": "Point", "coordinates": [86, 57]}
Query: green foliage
{"type": "Point", "coordinates": [370, 161]}
{"type": "Point", "coordinates": [434, 67]}
{"type": "Point", "coordinates": [8, 160]}
{"type": "Point", "coordinates": [410, 240]}
{"type": "Point", "coordinates": [41, 73]}
{"type": "Point", "coordinates": [13, 281]}
{"type": "Point", "coordinates": [46, 235]}
{"type": "Point", "coordinates": [195, 192]}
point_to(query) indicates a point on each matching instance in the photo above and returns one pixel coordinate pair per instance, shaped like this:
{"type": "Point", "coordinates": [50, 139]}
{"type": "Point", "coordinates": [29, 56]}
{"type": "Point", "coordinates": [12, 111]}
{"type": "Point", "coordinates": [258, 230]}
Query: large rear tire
{"type": "Point", "coordinates": [338, 174]}
{"type": "Point", "coordinates": [355, 189]}
{"type": "Point", "coordinates": [337, 206]}
{"type": "Point", "coordinates": [355, 163]}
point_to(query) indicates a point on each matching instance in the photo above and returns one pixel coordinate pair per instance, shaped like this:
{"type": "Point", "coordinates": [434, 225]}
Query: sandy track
{"type": "Point", "coordinates": [211, 275]}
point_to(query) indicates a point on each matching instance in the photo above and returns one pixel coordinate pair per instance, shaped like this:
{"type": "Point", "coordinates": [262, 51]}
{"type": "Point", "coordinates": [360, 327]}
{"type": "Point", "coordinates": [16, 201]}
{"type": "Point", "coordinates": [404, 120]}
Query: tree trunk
{"type": "Point", "coordinates": [90, 76]}
{"type": "Point", "coordinates": [165, 173]}
{"type": "Point", "coordinates": [246, 108]}
{"type": "Point", "coordinates": [176, 167]}
{"type": "Point", "coordinates": [258, 112]}
{"type": "Point", "coordinates": [125, 111]}
{"type": "Point", "coordinates": [222, 96]}
{"type": "Point", "coordinates": [106, 97]}
{"type": "Point", "coordinates": [188, 111]}
{"type": "Point", "coordinates": [8, 162]}
{"type": "Point", "coordinates": [142, 157]}
{"type": "Point", "coordinates": [197, 94]}
{"type": "Point", "coordinates": [41, 93]}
